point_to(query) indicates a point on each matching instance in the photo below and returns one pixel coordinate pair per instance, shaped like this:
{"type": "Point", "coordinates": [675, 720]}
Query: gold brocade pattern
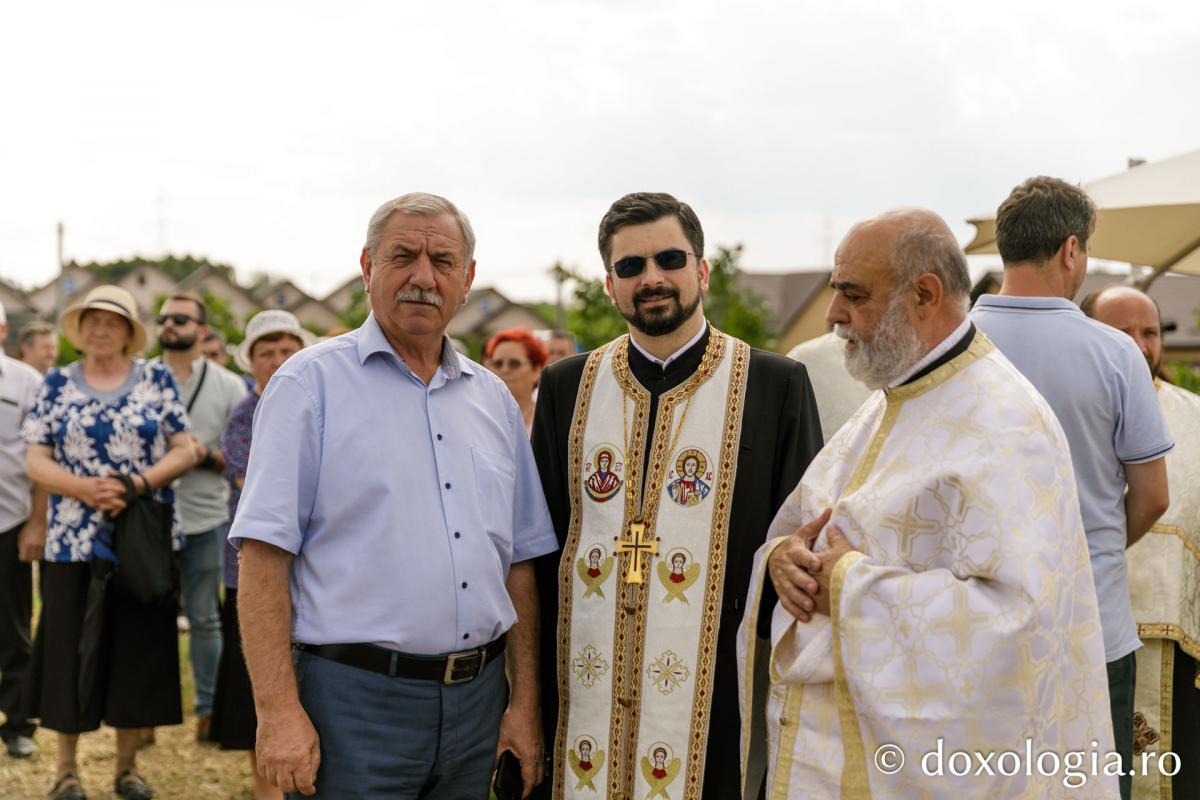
{"type": "Point", "coordinates": [968, 614]}
{"type": "Point", "coordinates": [1164, 584]}
{"type": "Point", "coordinates": [1164, 565]}
{"type": "Point", "coordinates": [714, 592]}
{"type": "Point", "coordinates": [575, 467]}
{"type": "Point", "coordinates": [630, 641]}
{"type": "Point", "coordinates": [855, 785]}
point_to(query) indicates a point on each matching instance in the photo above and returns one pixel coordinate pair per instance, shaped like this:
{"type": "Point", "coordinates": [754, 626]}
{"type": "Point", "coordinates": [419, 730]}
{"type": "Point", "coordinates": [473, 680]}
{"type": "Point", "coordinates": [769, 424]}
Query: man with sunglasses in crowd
{"type": "Point", "coordinates": [209, 391]}
{"type": "Point", "coordinates": [644, 656]}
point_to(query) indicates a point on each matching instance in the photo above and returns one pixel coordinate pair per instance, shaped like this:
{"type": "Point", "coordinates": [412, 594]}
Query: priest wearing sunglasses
{"type": "Point", "coordinates": [634, 660]}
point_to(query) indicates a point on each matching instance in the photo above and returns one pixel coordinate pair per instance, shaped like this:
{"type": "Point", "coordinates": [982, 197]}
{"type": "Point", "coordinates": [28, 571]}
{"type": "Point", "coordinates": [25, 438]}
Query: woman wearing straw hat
{"type": "Point", "coordinates": [108, 414]}
{"type": "Point", "coordinates": [272, 337]}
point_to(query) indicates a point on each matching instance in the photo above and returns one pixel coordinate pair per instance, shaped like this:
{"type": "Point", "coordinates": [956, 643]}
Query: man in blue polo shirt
{"type": "Point", "coordinates": [390, 512]}
{"type": "Point", "coordinates": [1095, 379]}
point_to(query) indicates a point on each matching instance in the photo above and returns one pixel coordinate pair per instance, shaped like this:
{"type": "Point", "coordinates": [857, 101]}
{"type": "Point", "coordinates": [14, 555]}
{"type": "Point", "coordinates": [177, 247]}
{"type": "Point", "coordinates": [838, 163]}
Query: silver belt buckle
{"type": "Point", "coordinates": [452, 662]}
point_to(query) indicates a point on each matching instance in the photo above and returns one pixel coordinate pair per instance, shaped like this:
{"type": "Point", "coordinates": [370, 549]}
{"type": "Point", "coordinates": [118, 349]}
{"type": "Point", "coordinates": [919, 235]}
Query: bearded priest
{"type": "Point", "coordinates": [664, 455]}
{"type": "Point", "coordinates": [935, 595]}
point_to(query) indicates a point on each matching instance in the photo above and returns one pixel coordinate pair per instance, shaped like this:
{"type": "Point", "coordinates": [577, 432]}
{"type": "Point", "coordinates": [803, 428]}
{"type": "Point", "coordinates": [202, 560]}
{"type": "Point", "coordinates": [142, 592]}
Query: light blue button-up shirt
{"type": "Point", "coordinates": [404, 503]}
{"type": "Point", "coordinates": [1097, 382]}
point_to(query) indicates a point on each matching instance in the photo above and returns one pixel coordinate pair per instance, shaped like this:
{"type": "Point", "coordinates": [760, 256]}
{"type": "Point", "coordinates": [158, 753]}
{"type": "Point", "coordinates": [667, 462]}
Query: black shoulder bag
{"type": "Point", "coordinates": [146, 570]}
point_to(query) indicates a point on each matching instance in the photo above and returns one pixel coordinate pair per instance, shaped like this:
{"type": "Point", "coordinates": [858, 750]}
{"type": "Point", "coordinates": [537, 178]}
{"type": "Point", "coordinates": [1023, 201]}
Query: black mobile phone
{"type": "Point", "coordinates": [506, 781]}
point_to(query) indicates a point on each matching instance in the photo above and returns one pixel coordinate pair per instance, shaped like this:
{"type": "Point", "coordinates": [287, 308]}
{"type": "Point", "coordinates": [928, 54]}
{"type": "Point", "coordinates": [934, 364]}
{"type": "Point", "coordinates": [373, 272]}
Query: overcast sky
{"type": "Point", "coordinates": [264, 134]}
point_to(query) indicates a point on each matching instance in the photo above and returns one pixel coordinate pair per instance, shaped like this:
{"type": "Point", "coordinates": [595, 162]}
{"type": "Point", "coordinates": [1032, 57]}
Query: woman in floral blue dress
{"type": "Point", "coordinates": [108, 414]}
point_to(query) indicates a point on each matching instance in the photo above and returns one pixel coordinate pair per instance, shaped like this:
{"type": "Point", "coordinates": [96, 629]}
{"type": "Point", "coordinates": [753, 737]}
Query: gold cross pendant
{"type": "Point", "coordinates": [635, 546]}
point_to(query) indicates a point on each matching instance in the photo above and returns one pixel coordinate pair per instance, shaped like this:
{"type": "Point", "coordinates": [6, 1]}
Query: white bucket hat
{"type": "Point", "coordinates": [268, 322]}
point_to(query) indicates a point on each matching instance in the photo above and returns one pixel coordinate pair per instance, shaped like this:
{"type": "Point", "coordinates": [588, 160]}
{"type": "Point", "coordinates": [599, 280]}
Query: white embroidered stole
{"type": "Point", "coordinates": [636, 660]}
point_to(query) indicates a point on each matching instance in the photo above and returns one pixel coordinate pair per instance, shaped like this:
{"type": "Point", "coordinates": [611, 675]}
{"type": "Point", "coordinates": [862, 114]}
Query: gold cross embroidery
{"type": "Point", "coordinates": [635, 546]}
{"type": "Point", "coordinates": [908, 526]}
{"type": "Point", "coordinates": [961, 623]}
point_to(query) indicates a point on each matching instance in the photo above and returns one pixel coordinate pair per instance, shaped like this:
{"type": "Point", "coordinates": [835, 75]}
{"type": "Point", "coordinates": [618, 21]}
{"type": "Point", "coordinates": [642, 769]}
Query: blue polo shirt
{"type": "Point", "coordinates": [404, 503]}
{"type": "Point", "coordinates": [1096, 381]}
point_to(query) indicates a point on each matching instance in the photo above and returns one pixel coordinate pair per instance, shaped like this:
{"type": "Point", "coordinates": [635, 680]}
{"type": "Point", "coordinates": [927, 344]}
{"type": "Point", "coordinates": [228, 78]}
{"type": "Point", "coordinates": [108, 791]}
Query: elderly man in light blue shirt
{"type": "Point", "coordinates": [390, 512]}
{"type": "Point", "coordinates": [1096, 381]}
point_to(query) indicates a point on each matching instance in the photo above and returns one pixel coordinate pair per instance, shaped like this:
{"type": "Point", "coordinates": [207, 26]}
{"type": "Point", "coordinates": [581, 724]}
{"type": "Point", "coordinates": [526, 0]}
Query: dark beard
{"type": "Point", "coordinates": [663, 321]}
{"type": "Point", "coordinates": [181, 343]}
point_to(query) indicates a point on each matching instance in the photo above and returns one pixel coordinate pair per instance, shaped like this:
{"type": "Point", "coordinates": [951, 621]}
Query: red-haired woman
{"type": "Point", "coordinates": [517, 356]}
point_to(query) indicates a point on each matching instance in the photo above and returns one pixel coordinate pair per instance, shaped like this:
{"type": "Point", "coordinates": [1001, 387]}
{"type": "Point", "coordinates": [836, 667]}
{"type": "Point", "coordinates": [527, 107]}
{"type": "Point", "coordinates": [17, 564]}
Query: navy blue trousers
{"type": "Point", "coordinates": [398, 738]}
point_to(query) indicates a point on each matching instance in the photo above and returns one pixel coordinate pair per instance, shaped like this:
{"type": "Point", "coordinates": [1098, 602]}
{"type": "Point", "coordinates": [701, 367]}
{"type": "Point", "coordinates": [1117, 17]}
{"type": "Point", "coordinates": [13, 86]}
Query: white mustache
{"type": "Point", "coordinates": [416, 295]}
{"type": "Point", "coordinates": [842, 332]}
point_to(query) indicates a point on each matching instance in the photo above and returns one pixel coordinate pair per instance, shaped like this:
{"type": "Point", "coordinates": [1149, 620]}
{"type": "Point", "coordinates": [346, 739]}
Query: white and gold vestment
{"type": "Point", "coordinates": [967, 614]}
{"type": "Point", "coordinates": [1164, 589]}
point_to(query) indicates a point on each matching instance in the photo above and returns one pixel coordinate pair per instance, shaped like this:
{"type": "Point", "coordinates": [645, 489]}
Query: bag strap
{"type": "Point", "coordinates": [131, 493]}
{"type": "Point", "coordinates": [199, 385]}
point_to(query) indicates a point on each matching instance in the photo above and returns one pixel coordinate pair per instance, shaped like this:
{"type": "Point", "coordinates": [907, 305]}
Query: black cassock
{"type": "Point", "coordinates": [780, 435]}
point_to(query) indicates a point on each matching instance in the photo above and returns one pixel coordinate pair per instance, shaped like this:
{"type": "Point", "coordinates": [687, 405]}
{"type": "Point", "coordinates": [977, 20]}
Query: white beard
{"type": "Point", "coordinates": [892, 350]}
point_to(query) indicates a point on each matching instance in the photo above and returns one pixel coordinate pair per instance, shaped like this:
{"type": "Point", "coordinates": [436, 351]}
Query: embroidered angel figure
{"type": "Point", "coordinates": [678, 577]}
{"type": "Point", "coordinates": [585, 765]}
{"type": "Point", "coordinates": [659, 774]}
{"type": "Point", "coordinates": [594, 571]}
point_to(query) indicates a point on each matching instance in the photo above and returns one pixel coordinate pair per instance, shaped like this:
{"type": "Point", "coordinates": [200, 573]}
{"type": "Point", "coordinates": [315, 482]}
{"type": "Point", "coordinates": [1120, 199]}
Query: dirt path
{"type": "Point", "coordinates": [176, 767]}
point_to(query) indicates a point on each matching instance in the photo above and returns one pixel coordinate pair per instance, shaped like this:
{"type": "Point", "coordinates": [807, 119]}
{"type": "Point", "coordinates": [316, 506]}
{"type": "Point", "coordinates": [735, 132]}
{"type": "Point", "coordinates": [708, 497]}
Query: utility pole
{"type": "Point", "coordinates": [162, 223]}
{"type": "Point", "coordinates": [59, 286]}
{"type": "Point", "coordinates": [560, 277]}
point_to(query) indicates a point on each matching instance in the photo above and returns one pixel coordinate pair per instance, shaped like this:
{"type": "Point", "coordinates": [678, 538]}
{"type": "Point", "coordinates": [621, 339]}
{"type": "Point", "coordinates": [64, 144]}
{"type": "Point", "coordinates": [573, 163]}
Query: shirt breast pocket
{"type": "Point", "coordinates": [495, 479]}
{"type": "Point", "coordinates": [10, 420]}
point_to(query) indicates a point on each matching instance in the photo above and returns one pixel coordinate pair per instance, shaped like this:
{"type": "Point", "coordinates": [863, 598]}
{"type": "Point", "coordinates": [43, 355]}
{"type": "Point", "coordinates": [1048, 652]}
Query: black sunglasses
{"type": "Point", "coordinates": [632, 266]}
{"type": "Point", "coordinates": [178, 319]}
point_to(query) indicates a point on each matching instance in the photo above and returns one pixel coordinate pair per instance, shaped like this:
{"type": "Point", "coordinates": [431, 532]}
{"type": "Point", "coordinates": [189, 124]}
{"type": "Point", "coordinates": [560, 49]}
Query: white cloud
{"type": "Point", "coordinates": [263, 133]}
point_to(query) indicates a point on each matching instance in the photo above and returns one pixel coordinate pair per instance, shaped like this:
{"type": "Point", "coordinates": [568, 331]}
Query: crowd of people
{"type": "Point", "coordinates": [643, 571]}
{"type": "Point", "coordinates": [83, 443]}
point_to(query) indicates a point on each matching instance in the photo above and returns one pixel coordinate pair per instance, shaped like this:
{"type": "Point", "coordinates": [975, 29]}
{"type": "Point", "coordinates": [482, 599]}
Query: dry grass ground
{"type": "Point", "coordinates": [176, 767]}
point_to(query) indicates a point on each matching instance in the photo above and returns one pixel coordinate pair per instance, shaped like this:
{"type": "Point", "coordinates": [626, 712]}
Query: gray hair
{"type": "Point", "coordinates": [421, 204]}
{"type": "Point", "coordinates": [926, 248]}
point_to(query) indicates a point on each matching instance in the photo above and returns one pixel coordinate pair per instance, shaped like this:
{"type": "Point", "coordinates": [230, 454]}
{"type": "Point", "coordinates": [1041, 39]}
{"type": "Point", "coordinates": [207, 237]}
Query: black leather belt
{"type": "Point", "coordinates": [460, 667]}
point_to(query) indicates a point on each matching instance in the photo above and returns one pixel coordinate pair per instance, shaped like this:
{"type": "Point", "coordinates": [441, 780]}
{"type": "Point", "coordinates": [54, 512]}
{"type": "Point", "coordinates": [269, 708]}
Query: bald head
{"type": "Point", "coordinates": [1134, 313]}
{"type": "Point", "coordinates": [907, 243]}
{"type": "Point", "coordinates": [900, 287]}
{"type": "Point", "coordinates": [894, 222]}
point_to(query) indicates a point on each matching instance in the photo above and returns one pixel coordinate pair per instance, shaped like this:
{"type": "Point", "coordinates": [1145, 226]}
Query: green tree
{"type": "Point", "coordinates": [356, 313]}
{"type": "Point", "coordinates": [1185, 376]}
{"type": "Point", "coordinates": [592, 317]}
{"type": "Point", "coordinates": [222, 318]}
{"type": "Point", "coordinates": [67, 353]}
{"type": "Point", "coordinates": [733, 309]}
{"type": "Point", "coordinates": [178, 267]}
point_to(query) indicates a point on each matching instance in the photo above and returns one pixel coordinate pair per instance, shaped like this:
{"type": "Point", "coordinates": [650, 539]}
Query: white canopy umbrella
{"type": "Point", "coordinates": [1148, 215]}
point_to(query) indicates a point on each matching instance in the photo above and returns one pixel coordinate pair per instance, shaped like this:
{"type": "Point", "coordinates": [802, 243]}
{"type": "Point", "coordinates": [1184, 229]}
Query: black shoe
{"type": "Point", "coordinates": [20, 746]}
{"type": "Point", "coordinates": [68, 787]}
{"type": "Point", "coordinates": [132, 786]}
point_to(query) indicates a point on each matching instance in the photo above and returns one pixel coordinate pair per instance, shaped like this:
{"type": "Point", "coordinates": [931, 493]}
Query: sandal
{"type": "Point", "coordinates": [68, 787]}
{"type": "Point", "coordinates": [132, 786]}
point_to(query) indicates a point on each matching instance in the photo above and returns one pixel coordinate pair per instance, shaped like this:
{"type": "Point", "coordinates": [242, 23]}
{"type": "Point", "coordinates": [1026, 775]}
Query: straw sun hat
{"type": "Point", "coordinates": [105, 298]}
{"type": "Point", "coordinates": [265, 323]}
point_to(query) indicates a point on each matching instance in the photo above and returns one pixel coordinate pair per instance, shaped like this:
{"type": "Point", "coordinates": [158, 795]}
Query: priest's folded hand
{"type": "Point", "coordinates": [836, 547]}
{"type": "Point", "coordinates": [792, 566]}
